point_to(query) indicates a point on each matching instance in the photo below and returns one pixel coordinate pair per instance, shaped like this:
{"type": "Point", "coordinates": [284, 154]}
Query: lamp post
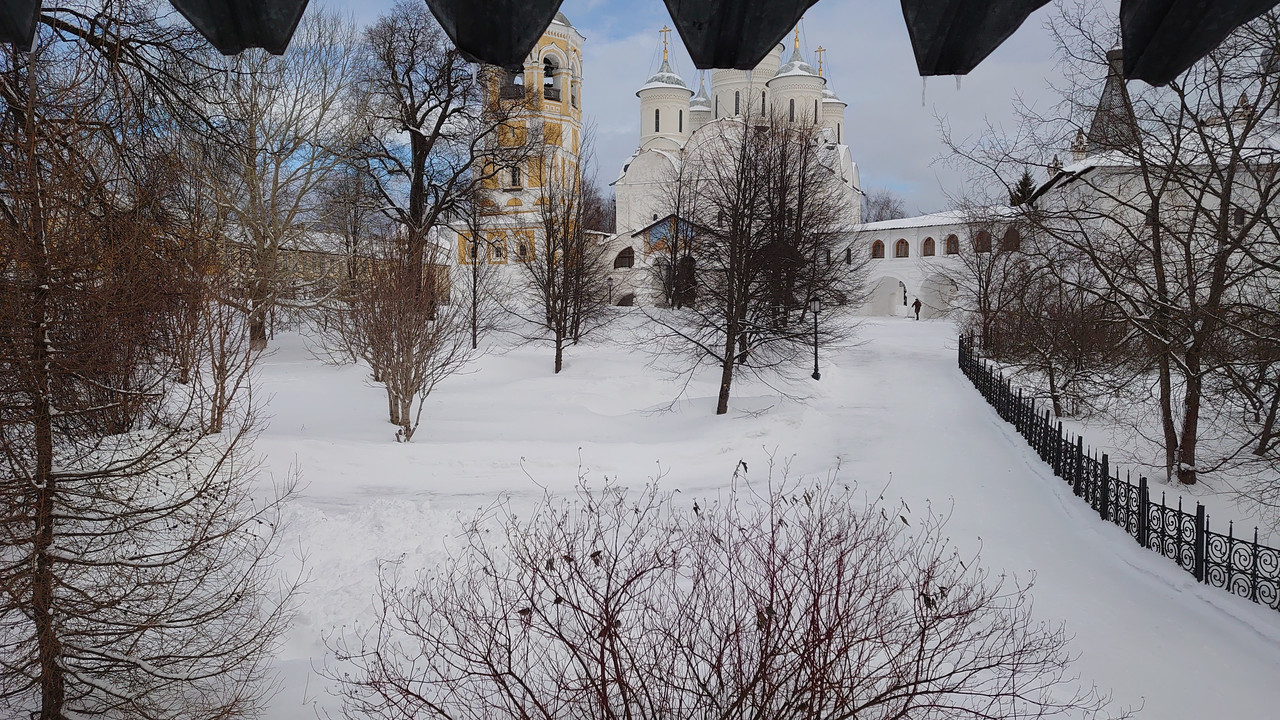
{"type": "Point", "coordinates": [610, 291]}
{"type": "Point", "coordinates": [814, 306]}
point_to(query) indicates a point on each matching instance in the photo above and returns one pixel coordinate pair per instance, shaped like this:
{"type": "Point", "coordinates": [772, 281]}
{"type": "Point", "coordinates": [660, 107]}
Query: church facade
{"type": "Point", "coordinates": [675, 122]}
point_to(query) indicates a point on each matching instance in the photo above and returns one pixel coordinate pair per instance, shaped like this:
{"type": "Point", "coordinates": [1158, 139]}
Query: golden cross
{"type": "Point", "coordinates": [664, 32]}
{"type": "Point", "coordinates": [820, 52]}
{"type": "Point", "coordinates": [797, 37]}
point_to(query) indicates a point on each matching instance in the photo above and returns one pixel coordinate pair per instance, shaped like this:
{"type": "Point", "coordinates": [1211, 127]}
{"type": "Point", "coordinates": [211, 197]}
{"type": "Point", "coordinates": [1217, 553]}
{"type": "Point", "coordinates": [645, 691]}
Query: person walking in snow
{"type": "Point", "coordinates": [916, 306]}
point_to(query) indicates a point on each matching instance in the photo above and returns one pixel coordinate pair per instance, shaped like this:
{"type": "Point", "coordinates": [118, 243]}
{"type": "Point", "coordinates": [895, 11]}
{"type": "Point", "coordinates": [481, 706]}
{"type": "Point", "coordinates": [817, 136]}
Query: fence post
{"type": "Point", "coordinates": [1057, 452]}
{"type": "Point", "coordinates": [1198, 550]}
{"type": "Point", "coordinates": [1144, 502]}
{"type": "Point", "coordinates": [1253, 573]}
{"type": "Point", "coordinates": [1079, 468]}
{"type": "Point", "coordinates": [1104, 492]}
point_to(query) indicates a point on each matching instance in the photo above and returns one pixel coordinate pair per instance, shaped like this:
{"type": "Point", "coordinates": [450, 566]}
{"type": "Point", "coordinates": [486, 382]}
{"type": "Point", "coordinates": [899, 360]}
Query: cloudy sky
{"type": "Point", "coordinates": [893, 115]}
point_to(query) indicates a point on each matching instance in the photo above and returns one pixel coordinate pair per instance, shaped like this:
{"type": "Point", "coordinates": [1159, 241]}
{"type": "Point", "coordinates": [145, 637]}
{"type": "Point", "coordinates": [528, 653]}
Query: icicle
{"type": "Point", "coordinates": [958, 82]}
{"type": "Point", "coordinates": [924, 84]}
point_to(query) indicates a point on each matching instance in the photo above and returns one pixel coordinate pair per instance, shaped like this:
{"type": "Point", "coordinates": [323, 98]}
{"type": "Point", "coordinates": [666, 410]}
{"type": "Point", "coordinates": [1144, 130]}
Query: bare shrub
{"type": "Point", "coordinates": [801, 602]}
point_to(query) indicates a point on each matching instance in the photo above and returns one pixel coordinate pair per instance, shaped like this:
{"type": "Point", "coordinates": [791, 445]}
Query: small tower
{"type": "Point", "coordinates": [700, 106]}
{"type": "Point", "coordinates": [832, 106]}
{"type": "Point", "coordinates": [797, 89]}
{"type": "Point", "coordinates": [737, 93]}
{"type": "Point", "coordinates": [1113, 126]}
{"type": "Point", "coordinates": [665, 120]}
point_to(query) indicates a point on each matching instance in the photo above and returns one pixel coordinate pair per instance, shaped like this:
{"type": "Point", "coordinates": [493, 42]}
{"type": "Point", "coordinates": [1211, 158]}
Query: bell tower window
{"type": "Point", "coordinates": [657, 120]}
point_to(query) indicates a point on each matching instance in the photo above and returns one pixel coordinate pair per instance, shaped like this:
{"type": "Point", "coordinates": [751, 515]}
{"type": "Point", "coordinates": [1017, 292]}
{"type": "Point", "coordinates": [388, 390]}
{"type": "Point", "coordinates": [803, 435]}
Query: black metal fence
{"type": "Point", "coordinates": [1238, 565]}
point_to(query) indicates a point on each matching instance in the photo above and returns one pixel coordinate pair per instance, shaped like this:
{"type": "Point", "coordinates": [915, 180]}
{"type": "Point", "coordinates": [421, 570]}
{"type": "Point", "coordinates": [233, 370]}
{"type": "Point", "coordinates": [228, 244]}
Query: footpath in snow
{"type": "Point", "coordinates": [893, 413]}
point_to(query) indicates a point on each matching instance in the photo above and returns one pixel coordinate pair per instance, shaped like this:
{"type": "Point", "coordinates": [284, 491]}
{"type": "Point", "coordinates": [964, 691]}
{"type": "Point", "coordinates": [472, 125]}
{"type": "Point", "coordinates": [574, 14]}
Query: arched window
{"type": "Point", "coordinates": [625, 258]}
{"type": "Point", "coordinates": [901, 249]}
{"type": "Point", "coordinates": [522, 249]}
{"type": "Point", "coordinates": [737, 103]}
{"type": "Point", "coordinates": [515, 176]}
{"type": "Point", "coordinates": [498, 248]}
{"type": "Point", "coordinates": [792, 109]}
{"type": "Point", "coordinates": [1012, 240]}
{"type": "Point", "coordinates": [877, 249]}
{"type": "Point", "coordinates": [680, 125]}
{"type": "Point", "coordinates": [837, 133]}
{"type": "Point", "coordinates": [628, 300]}
{"type": "Point", "coordinates": [549, 89]}
{"type": "Point", "coordinates": [848, 256]}
{"type": "Point", "coordinates": [815, 112]}
{"type": "Point", "coordinates": [926, 248]}
{"type": "Point", "coordinates": [763, 111]}
{"type": "Point", "coordinates": [953, 245]}
{"type": "Point", "coordinates": [717, 106]}
{"type": "Point", "coordinates": [657, 120]}
{"type": "Point", "coordinates": [982, 242]}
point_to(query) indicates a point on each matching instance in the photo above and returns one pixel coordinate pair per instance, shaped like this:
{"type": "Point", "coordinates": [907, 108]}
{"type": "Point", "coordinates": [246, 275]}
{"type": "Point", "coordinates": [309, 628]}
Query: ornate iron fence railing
{"type": "Point", "coordinates": [1236, 564]}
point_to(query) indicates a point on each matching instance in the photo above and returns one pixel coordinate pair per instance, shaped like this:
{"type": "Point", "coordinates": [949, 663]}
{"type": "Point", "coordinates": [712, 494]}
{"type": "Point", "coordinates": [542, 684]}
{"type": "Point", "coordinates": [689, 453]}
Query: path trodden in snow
{"type": "Point", "coordinates": [894, 412]}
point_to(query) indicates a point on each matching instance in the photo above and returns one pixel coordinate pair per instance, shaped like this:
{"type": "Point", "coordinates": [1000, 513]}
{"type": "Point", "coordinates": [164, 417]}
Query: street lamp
{"type": "Point", "coordinates": [610, 291]}
{"type": "Point", "coordinates": [814, 306]}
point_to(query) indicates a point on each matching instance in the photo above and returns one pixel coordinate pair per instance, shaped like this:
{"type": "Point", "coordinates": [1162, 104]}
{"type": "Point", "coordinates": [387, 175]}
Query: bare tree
{"type": "Point", "coordinates": [566, 277]}
{"type": "Point", "coordinates": [769, 212]}
{"type": "Point", "coordinates": [883, 204]}
{"type": "Point", "coordinates": [285, 129]}
{"type": "Point", "coordinates": [137, 565]}
{"type": "Point", "coordinates": [795, 603]}
{"type": "Point", "coordinates": [673, 262]}
{"type": "Point", "coordinates": [481, 283]}
{"type": "Point", "coordinates": [1170, 207]}
{"type": "Point", "coordinates": [436, 129]}
{"type": "Point", "coordinates": [399, 319]}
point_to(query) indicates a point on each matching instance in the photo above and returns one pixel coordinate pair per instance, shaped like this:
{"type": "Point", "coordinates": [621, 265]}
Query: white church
{"type": "Point", "coordinates": [675, 122]}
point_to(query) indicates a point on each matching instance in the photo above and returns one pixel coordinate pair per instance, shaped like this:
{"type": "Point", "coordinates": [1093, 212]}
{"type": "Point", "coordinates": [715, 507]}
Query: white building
{"type": "Point", "coordinates": [675, 121]}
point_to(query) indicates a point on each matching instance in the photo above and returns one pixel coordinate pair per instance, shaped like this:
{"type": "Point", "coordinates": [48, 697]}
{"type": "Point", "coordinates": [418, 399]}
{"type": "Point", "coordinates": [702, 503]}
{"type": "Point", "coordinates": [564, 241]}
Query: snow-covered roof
{"type": "Point", "coordinates": [664, 78]}
{"type": "Point", "coordinates": [829, 96]}
{"type": "Point", "coordinates": [946, 217]}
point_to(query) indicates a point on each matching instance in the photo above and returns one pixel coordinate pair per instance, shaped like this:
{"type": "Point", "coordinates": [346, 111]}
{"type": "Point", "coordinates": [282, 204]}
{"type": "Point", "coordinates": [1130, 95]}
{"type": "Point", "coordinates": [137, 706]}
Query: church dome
{"type": "Point", "coordinates": [796, 66]}
{"type": "Point", "coordinates": [665, 77]}
{"type": "Point", "coordinates": [560, 18]}
{"type": "Point", "coordinates": [701, 101]}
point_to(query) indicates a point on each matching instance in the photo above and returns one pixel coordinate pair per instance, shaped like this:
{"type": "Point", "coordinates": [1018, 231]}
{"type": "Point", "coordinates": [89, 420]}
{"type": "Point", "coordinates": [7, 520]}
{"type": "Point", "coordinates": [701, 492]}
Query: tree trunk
{"type": "Point", "coordinates": [257, 329]}
{"type": "Point", "coordinates": [559, 351]}
{"type": "Point", "coordinates": [393, 408]}
{"type": "Point", "coordinates": [726, 369]}
{"type": "Point", "coordinates": [1054, 395]}
{"type": "Point", "coordinates": [1166, 415]}
{"type": "Point", "coordinates": [1186, 470]}
{"type": "Point", "coordinates": [475, 304]}
{"type": "Point", "coordinates": [1268, 430]}
{"type": "Point", "coordinates": [43, 494]}
{"type": "Point", "coordinates": [43, 486]}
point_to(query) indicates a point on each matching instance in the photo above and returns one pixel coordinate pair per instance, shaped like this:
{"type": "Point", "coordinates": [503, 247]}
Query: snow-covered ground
{"type": "Point", "coordinates": [893, 414]}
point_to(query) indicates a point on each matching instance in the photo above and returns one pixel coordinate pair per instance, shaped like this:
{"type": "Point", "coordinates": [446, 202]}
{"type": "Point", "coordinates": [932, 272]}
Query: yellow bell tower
{"type": "Point", "coordinates": [552, 80]}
